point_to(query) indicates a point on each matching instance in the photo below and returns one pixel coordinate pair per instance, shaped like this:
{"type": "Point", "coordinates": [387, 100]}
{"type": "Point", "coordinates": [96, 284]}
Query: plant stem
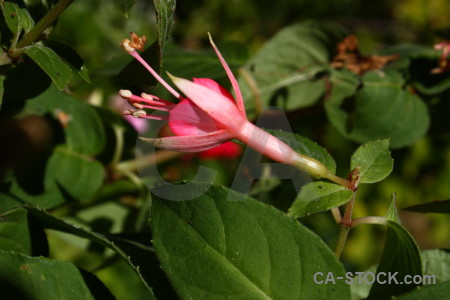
{"type": "Point", "coordinates": [369, 220]}
{"type": "Point", "coordinates": [342, 238]}
{"type": "Point", "coordinates": [118, 133]}
{"type": "Point", "coordinates": [336, 214]}
{"type": "Point", "coordinates": [44, 23]}
{"type": "Point", "coordinates": [345, 226]}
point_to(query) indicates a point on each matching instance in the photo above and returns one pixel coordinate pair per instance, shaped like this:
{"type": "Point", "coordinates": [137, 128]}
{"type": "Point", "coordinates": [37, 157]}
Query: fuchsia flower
{"type": "Point", "coordinates": [209, 116]}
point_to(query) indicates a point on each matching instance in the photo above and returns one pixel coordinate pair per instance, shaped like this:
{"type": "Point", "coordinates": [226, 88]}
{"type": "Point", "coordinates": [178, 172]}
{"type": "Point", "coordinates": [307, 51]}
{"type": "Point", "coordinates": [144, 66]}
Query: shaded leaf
{"type": "Point", "coordinates": [27, 277]}
{"type": "Point", "coordinates": [283, 71]}
{"type": "Point", "coordinates": [83, 128]}
{"type": "Point", "coordinates": [381, 109]}
{"type": "Point", "coordinates": [400, 255]}
{"type": "Point", "coordinates": [14, 234]}
{"type": "Point", "coordinates": [435, 291]}
{"type": "Point", "coordinates": [125, 249]}
{"type": "Point", "coordinates": [211, 248]}
{"type": "Point", "coordinates": [318, 196]}
{"type": "Point", "coordinates": [373, 161]}
{"type": "Point", "coordinates": [26, 20]}
{"type": "Point", "coordinates": [55, 67]}
{"type": "Point", "coordinates": [2, 89]}
{"type": "Point", "coordinates": [126, 5]}
{"type": "Point", "coordinates": [79, 175]}
{"type": "Point", "coordinates": [431, 207]}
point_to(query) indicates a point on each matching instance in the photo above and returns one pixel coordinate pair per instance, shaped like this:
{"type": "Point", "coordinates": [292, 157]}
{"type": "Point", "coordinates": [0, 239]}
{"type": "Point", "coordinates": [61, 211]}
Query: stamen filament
{"type": "Point", "coordinates": [156, 75]}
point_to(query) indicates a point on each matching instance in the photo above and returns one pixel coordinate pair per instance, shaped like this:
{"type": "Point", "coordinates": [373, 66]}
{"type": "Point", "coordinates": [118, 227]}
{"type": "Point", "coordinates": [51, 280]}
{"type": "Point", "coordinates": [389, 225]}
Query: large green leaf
{"type": "Point", "coordinates": [400, 255]}
{"type": "Point", "coordinates": [25, 277]}
{"type": "Point", "coordinates": [373, 161]}
{"type": "Point", "coordinates": [318, 196]}
{"type": "Point", "coordinates": [79, 175]}
{"type": "Point", "coordinates": [84, 131]}
{"type": "Point", "coordinates": [381, 109]}
{"type": "Point", "coordinates": [442, 207]}
{"type": "Point", "coordinates": [211, 248]}
{"type": "Point", "coordinates": [282, 72]}
{"type": "Point", "coordinates": [55, 67]}
{"type": "Point", "coordinates": [306, 147]}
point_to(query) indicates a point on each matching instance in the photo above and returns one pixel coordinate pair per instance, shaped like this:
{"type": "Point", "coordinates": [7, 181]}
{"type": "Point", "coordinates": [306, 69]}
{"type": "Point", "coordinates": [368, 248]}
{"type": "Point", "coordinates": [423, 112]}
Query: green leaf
{"type": "Point", "coordinates": [401, 255]}
{"type": "Point", "coordinates": [126, 5]}
{"type": "Point", "coordinates": [25, 277]}
{"type": "Point", "coordinates": [125, 249]}
{"type": "Point", "coordinates": [20, 233]}
{"type": "Point", "coordinates": [283, 72]}
{"type": "Point", "coordinates": [381, 109]}
{"type": "Point", "coordinates": [26, 20]}
{"type": "Point", "coordinates": [306, 147]}
{"type": "Point", "coordinates": [12, 15]}
{"type": "Point", "coordinates": [373, 161]}
{"type": "Point", "coordinates": [318, 196]}
{"type": "Point", "coordinates": [14, 233]}
{"type": "Point", "coordinates": [79, 175]}
{"type": "Point", "coordinates": [55, 67]}
{"type": "Point", "coordinates": [83, 128]}
{"type": "Point", "coordinates": [222, 245]}
{"type": "Point", "coordinates": [165, 10]}
{"type": "Point", "coordinates": [436, 263]}
{"type": "Point", "coordinates": [435, 291]}
{"type": "Point", "coordinates": [70, 56]}
{"type": "Point", "coordinates": [442, 207]}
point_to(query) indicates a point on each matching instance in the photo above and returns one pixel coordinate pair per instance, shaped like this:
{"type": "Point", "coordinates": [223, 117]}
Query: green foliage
{"type": "Point", "coordinates": [372, 162]}
{"type": "Point", "coordinates": [71, 197]}
{"type": "Point", "coordinates": [201, 246]}
{"type": "Point", "coordinates": [25, 277]}
{"type": "Point", "coordinates": [319, 196]}
{"type": "Point", "coordinates": [400, 255]}
{"type": "Point", "coordinates": [283, 72]}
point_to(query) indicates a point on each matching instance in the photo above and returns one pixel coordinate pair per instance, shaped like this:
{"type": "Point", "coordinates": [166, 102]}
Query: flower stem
{"type": "Point", "coordinates": [341, 181]}
{"type": "Point", "coordinates": [44, 23]}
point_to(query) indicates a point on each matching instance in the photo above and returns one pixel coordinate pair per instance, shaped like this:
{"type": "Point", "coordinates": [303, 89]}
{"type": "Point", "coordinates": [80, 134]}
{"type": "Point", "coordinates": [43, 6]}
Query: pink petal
{"type": "Point", "coordinates": [236, 89]}
{"type": "Point", "coordinates": [187, 119]}
{"type": "Point", "coordinates": [212, 85]}
{"type": "Point", "coordinates": [228, 150]}
{"type": "Point", "coordinates": [192, 143]}
{"type": "Point", "coordinates": [216, 105]}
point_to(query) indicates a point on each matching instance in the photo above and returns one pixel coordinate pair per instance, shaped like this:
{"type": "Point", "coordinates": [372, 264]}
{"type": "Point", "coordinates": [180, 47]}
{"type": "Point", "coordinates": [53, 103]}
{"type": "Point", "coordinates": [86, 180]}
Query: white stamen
{"type": "Point", "coordinates": [125, 94]}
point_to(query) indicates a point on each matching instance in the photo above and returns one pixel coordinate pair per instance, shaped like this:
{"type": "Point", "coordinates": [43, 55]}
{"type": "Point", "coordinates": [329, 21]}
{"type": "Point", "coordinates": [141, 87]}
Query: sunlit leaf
{"type": "Point", "coordinates": [223, 245]}
{"type": "Point", "coordinates": [319, 196]}
{"type": "Point", "coordinates": [373, 161]}
{"type": "Point", "coordinates": [435, 291]}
